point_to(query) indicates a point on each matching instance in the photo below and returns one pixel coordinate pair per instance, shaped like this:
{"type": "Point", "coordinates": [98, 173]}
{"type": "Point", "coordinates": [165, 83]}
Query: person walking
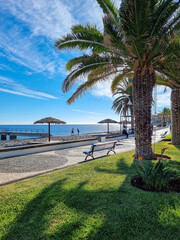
{"type": "Point", "coordinates": [72, 131]}
{"type": "Point", "coordinates": [78, 131]}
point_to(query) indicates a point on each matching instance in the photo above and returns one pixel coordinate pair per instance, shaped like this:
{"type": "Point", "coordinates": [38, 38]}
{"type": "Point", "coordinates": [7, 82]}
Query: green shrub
{"type": "Point", "coordinates": [156, 175]}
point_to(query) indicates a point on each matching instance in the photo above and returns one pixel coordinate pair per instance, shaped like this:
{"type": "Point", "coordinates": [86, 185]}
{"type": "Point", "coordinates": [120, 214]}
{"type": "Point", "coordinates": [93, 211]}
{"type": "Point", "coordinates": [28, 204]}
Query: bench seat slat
{"type": "Point", "coordinates": [87, 152]}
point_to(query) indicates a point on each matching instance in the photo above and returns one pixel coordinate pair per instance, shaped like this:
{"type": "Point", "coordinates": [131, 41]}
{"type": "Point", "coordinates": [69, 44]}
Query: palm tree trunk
{"type": "Point", "coordinates": [132, 118]}
{"type": "Point", "coordinates": [142, 100]}
{"type": "Point", "coordinates": [175, 116]}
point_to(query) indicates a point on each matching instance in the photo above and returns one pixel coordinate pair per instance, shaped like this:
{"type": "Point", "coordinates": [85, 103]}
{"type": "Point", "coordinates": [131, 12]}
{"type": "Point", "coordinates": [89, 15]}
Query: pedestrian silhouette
{"type": "Point", "coordinates": [72, 131]}
{"type": "Point", "coordinates": [124, 132]}
{"type": "Point", "coordinates": [78, 130]}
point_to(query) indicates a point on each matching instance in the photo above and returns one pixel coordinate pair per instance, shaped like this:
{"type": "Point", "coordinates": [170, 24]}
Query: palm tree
{"type": "Point", "coordinates": [124, 101]}
{"type": "Point", "coordinates": [175, 115]}
{"type": "Point", "coordinates": [171, 79]}
{"type": "Point", "coordinates": [172, 72]}
{"type": "Point", "coordinates": [135, 40]}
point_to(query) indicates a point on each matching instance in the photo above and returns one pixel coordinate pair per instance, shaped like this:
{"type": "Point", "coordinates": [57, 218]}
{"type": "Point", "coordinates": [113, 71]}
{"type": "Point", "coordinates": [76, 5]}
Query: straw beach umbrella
{"type": "Point", "coordinates": [49, 120]}
{"type": "Point", "coordinates": [108, 121]}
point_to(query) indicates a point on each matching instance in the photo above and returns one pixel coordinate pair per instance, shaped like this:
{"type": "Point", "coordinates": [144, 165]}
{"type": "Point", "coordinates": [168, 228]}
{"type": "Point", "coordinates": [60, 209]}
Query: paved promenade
{"type": "Point", "coordinates": [17, 168]}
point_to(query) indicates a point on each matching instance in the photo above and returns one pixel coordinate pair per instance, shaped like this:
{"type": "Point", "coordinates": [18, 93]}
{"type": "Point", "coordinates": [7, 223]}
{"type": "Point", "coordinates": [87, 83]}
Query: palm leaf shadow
{"type": "Point", "coordinates": [45, 210]}
{"type": "Point", "coordinates": [122, 168]}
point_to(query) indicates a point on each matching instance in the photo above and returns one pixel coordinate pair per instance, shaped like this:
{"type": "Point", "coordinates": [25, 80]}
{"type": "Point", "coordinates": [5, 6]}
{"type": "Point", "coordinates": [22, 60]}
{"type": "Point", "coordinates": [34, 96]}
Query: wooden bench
{"type": "Point", "coordinates": [110, 146]}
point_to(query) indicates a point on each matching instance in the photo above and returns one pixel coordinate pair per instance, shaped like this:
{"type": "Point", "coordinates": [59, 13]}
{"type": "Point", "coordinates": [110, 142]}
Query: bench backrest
{"type": "Point", "coordinates": [103, 146]}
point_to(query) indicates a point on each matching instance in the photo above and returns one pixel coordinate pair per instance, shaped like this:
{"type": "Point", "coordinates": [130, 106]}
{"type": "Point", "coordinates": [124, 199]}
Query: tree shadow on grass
{"type": "Point", "coordinates": [177, 146]}
{"type": "Point", "coordinates": [64, 211]}
{"type": "Point", "coordinates": [175, 164]}
{"type": "Point", "coordinates": [122, 168]}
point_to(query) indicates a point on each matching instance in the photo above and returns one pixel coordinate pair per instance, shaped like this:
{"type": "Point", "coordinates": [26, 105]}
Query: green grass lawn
{"type": "Point", "coordinates": [168, 137]}
{"type": "Point", "coordinates": [93, 200]}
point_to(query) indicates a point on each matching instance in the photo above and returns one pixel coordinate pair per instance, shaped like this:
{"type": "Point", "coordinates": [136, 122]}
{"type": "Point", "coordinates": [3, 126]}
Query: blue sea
{"type": "Point", "coordinates": [60, 130]}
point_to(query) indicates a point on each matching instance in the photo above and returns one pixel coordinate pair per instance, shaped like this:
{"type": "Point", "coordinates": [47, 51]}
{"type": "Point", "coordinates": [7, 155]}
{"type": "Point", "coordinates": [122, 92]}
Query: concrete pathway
{"type": "Point", "coordinates": [22, 167]}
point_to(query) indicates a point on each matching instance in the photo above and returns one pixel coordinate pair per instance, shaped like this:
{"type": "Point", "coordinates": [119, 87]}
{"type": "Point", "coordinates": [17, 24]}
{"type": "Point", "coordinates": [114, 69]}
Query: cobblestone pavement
{"type": "Point", "coordinates": [16, 168]}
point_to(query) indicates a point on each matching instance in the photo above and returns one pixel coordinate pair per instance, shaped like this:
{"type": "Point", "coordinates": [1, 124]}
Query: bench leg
{"type": "Point", "coordinates": [86, 157]}
{"type": "Point", "coordinates": [110, 151]}
{"type": "Point", "coordinates": [89, 155]}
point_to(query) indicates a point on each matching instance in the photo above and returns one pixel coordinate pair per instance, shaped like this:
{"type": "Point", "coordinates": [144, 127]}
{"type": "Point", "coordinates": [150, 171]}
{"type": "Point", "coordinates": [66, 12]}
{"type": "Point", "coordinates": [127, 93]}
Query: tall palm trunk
{"type": "Point", "coordinates": [132, 117]}
{"type": "Point", "coordinates": [142, 100]}
{"type": "Point", "coordinates": [175, 115]}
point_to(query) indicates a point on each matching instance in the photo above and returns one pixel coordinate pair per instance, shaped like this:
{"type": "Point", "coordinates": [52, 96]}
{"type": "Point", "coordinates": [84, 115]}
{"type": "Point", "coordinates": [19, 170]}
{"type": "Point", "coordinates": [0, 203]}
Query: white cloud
{"type": "Point", "coordinates": [103, 89]}
{"type": "Point", "coordinates": [88, 11]}
{"type": "Point", "coordinates": [24, 51]}
{"type": "Point", "coordinates": [54, 18]}
{"type": "Point", "coordinates": [161, 89]}
{"type": "Point", "coordinates": [43, 17]}
{"type": "Point", "coordinates": [40, 20]}
{"type": "Point", "coordinates": [18, 93]}
{"type": "Point", "coordinates": [5, 80]}
{"type": "Point", "coordinates": [9, 86]}
{"type": "Point", "coordinates": [163, 98]}
{"type": "Point", "coordinates": [78, 110]}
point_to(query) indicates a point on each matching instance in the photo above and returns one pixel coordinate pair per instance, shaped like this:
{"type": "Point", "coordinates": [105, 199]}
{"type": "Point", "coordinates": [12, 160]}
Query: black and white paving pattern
{"type": "Point", "coordinates": [17, 168]}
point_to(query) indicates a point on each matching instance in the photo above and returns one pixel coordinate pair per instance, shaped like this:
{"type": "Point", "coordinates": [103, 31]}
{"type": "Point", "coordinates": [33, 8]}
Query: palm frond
{"type": "Point", "coordinates": [88, 63]}
{"type": "Point", "coordinates": [82, 89]}
{"type": "Point", "coordinates": [82, 38]}
{"type": "Point", "coordinates": [81, 71]}
{"type": "Point", "coordinates": [119, 78]}
{"type": "Point", "coordinates": [109, 9]}
{"type": "Point", "coordinates": [123, 103]}
{"type": "Point", "coordinates": [113, 38]}
{"type": "Point", "coordinates": [163, 81]}
{"type": "Point", "coordinates": [103, 72]}
{"type": "Point", "coordinates": [116, 81]}
{"type": "Point", "coordinates": [162, 14]}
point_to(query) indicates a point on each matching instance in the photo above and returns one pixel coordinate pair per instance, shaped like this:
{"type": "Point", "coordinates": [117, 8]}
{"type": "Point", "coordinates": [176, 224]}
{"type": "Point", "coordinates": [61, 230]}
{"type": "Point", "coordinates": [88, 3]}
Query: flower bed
{"type": "Point", "coordinates": [174, 185]}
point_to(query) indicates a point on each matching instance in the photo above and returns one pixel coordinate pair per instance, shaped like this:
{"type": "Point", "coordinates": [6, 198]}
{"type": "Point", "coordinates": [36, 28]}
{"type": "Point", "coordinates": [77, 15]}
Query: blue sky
{"type": "Point", "coordinates": [32, 70]}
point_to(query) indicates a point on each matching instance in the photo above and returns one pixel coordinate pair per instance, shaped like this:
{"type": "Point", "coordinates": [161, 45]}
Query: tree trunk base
{"type": "Point", "coordinates": [146, 153]}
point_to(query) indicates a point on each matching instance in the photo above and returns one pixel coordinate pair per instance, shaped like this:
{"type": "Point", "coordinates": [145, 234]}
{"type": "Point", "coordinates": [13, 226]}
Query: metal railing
{"type": "Point", "coordinates": [27, 130]}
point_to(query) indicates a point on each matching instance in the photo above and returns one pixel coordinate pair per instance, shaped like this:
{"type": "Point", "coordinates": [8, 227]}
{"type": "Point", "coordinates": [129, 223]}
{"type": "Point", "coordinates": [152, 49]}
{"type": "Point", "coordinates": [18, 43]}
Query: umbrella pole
{"type": "Point", "coordinates": [108, 127]}
{"type": "Point", "coordinates": [49, 131]}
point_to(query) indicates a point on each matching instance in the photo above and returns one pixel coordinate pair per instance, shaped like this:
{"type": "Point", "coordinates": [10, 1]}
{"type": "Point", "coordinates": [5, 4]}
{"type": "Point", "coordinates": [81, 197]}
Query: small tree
{"type": "Point", "coordinates": [124, 99]}
{"type": "Point", "coordinates": [170, 77]}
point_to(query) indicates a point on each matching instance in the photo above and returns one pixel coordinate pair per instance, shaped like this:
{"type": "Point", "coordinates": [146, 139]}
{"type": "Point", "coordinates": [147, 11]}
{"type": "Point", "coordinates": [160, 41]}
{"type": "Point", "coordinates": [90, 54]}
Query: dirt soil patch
{"type": "Point", "coordinates": [165, 157]}
{"type": "Point", "coordinates": [174, 185]}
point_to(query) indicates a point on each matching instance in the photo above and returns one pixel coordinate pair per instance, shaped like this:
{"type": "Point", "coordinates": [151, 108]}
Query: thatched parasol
{"type": "Point", "coordinates": [49, 120]}
{"type": "Point", "coordinates": [108, 121]}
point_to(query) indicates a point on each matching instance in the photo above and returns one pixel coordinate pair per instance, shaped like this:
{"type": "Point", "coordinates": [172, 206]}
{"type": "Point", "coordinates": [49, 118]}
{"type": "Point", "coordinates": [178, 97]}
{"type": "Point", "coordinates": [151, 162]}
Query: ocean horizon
{"type": "Point", "coordinates": [60, 130]}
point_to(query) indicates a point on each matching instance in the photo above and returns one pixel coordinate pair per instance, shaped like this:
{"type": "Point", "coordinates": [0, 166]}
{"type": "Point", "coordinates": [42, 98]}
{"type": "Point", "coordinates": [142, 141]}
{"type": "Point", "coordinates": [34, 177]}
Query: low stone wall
{"type": "Point", "coordinates": [23, 142]}
{"type": "Point", "coordinates": [21, 150]}
{"type": "Point", "coordinates": [38, 148]}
